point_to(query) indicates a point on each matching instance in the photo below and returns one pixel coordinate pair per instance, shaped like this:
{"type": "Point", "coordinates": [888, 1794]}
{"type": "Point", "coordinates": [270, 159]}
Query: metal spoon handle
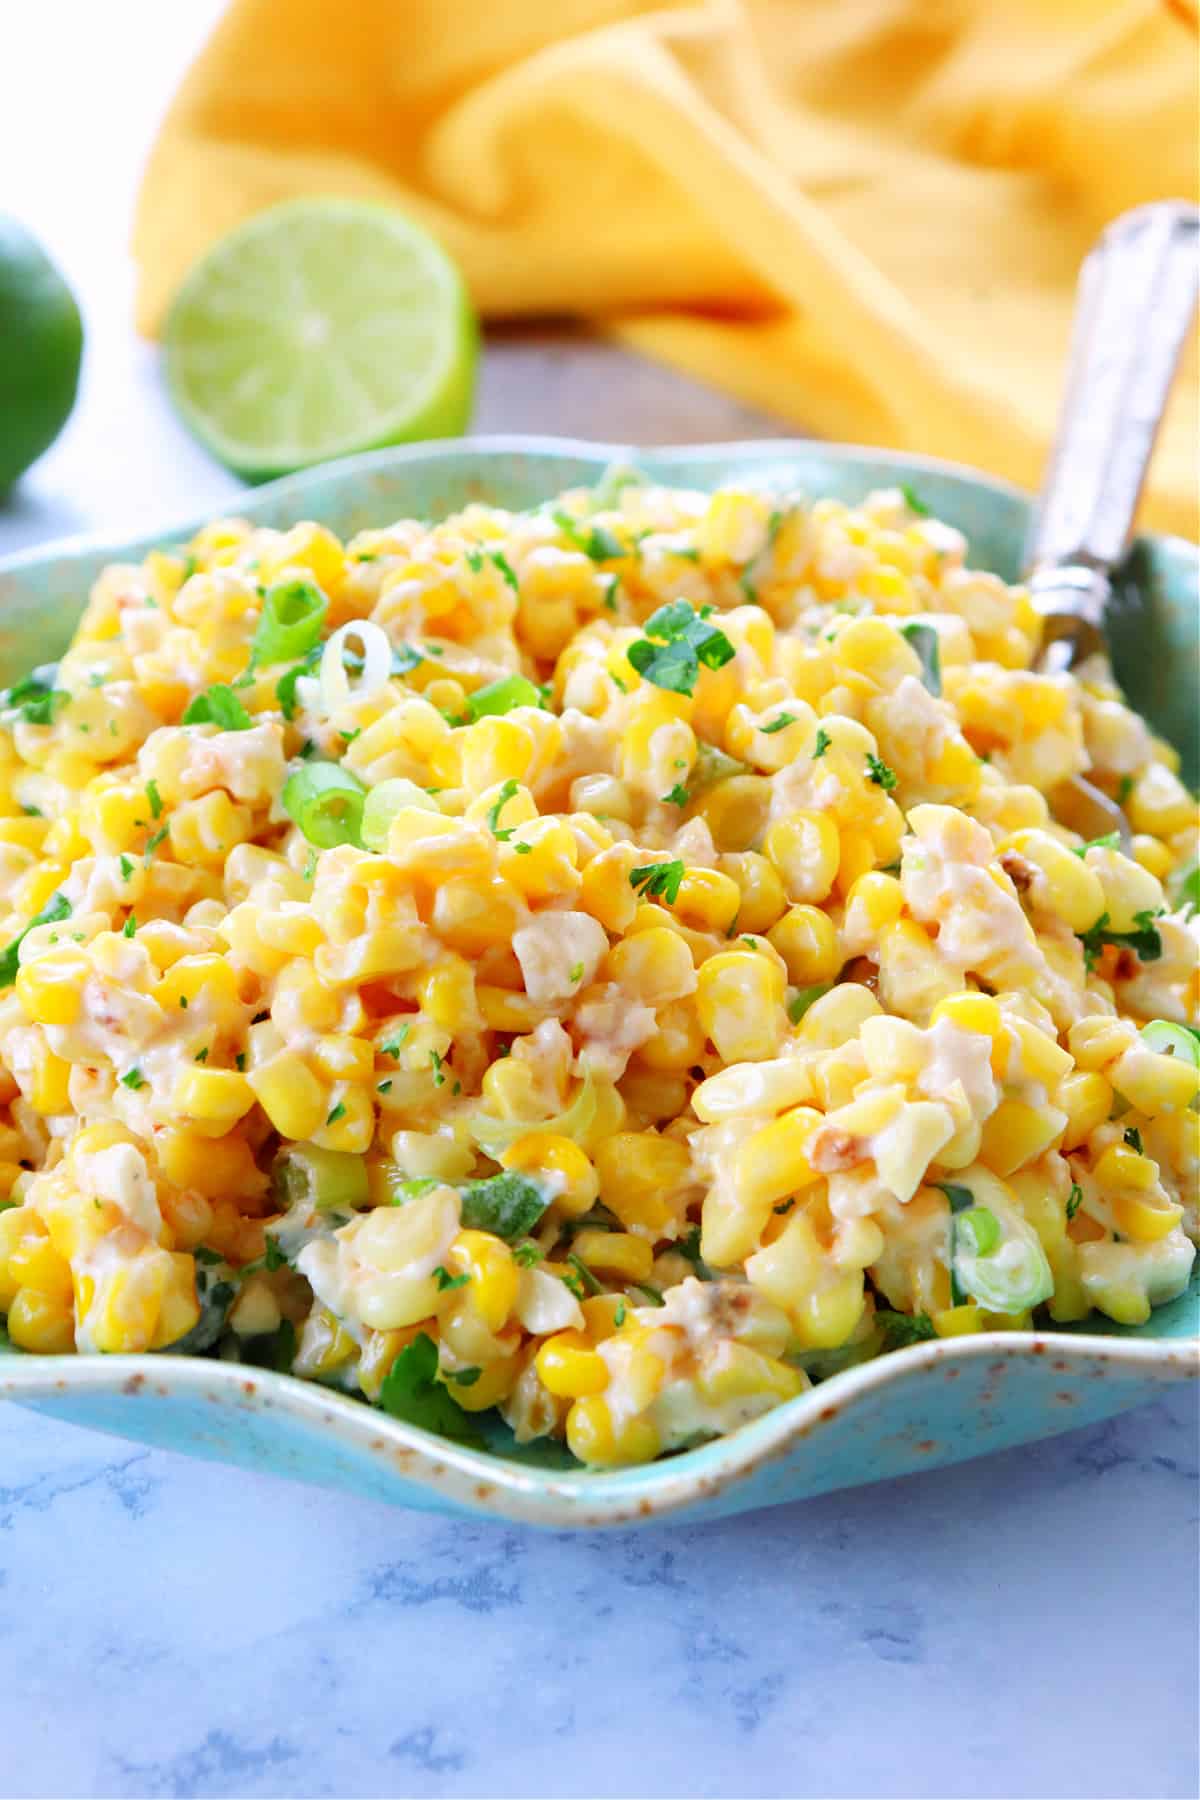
{"type": "Point", "coordinates": [1137, 294]}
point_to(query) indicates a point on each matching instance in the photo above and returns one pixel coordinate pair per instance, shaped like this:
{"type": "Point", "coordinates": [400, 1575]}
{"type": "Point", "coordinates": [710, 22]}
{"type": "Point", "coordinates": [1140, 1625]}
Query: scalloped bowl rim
{"type": "Point", "coordinates": [479, 1479]}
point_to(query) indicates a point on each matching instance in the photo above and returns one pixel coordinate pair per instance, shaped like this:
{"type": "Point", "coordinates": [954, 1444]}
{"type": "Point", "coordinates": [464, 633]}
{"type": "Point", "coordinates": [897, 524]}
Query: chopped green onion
{"type": "Point", "coordinates": [1166, 1039]}
{"type": "Point", "coordinates": [289, 625]}
{"type": "Point", "coordinates": [326, 801]}
{"type": "Point", "coordinates": [330, 1180]}
{"type": "Point", "coordinates": [924, 640]}
{"type": "Point", "coordinates": [501, 697]}
{"type": "Point", "coordinates": [382, 804]}
{"type": "Point", "coordinates": [980, 1229]}
{"type": "Point", "coordinates": [1010, 1274]}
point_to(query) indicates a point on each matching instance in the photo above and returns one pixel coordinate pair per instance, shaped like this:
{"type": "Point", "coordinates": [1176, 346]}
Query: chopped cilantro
{"type": "Point", "coordinates": [129, 927]}
{"type": "Point", "coordinates": [201, 1055]}
{"type": "Point", "coordinates": [396, 1044]}
{"type": "Point", "coordinates": [677, 641]}
{"type": "Point", "coordinates": [900, 1329]}
{"type": "Point", "coordinates": [526, 1254]}
{"type": "Point", "coordinates": [619, 1314]}
{"type": "Point", "coordinates": [338, 1112]}
{"type": "Point", "coordinates": [1110, 841]}
{"type": "Point", "coordinates": [126, 868]}
{"type": "Point", "coordinates": [152, 843]}
{"type": "Point", "coordinates": [575, 973]}
{"type": "Point", "coordinates": [880, 774]}
{"type": "Point", "coordinates": [384, 1087]}
{"type": "Point", "coordinates": [446, 1280]}
{"type": "Point", "coordinates": [800, 1002]}
{"type": "Point", "coordinates": [1074, 1200]}
{"type": "Point", "coordinates": [439, 1078]}
{"type": "Point", "coordinates": [464, 1377]}
{"type": "Point", "coordinates": [678, 796]}
{"type": "Point", "coordinates": [133, 1078]}
{"type": "Point", "coordinates": [56, 908]}
{"type": "Point", "coordinates": [35, 697]}
{"type": "Point", "coordinates": [822, 744]}
{"type": "Point", "coordinates": [596, 541]}
{"type": "Point", "coordinates": [155, 799]}
{"type": "Point", "coordinates": [657, 880]}
{"type": "Point", "coordinates": [506, 569]}
{"type": "Point", "coordinates": [780, 722]}
{"type": "Point", "coordinates": [1124, 789]}
{"type": "Point", "coordinates": [219, 706]}
{"type": "Point", "coordinates": [1133, 1138]}
{"type": "Point", "coordinates": [1145, 942]}
{"type": "Point", "coordinates": [913, 501]}
{"type": "Point", "coordinates": [412, 1392]}
{"type": "Point", "coordinates": [285, 687]}
{"type": "Point", "coordinates": [240, 1060]}
{"type": "Point", "coordinates": [405, 658]}
{"type": "Point", "coordinates": [785, 1206]}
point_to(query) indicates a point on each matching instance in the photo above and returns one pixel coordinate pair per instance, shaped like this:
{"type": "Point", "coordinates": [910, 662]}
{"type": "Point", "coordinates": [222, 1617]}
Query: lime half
{"type": "Point", "coordinates": [319, 328]}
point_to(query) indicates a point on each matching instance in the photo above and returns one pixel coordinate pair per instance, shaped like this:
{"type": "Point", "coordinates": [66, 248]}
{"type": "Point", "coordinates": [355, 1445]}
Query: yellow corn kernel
{"type": "Point", "coordinates": [615, 1253]}
{"type": "Point", "coordinates": [41, 1323]}
{"type": "Point", "coordinates": [192, 979]}
{"type": "Point", "coordinates": [494, 1275]}
{"type": "Point", "coordinates": [739, 999]}
{"type": "Point", "coordinates": [218, 1097]}
{"type": "Point", "coordinates": [494, 1384]}
{"type": "Point", "coordinates": [805, 849]}
{"type": "Point", "coordinates": [604, 889]}
{"type": "Point", "coordinates": [601, 1313]}
{"type": "Point", "coordinates": [772, 1161]}
{"type": "Point", "coordinates": [568, 1367]}
{"type": "Point", "coordinates": [307, 546]}
{"type": "Point", "coordinates": [48, 1090]}
{"type": "Point", "coordinates": [957, 1321]}
{"type": "Point", "coordinates": [340, 1057]}
{"type": "Point", "coordinates": [296, 1103]}
{"type": "Point", "coordinates": [294, 930]}
{"type": "Point", "coordinates": [1160, 804]}
{"type": "Point", "coordinates": [1086, 1098]}
{"type": "Point", "coordinates": [546, 868]}
{"type": "Point", "coordinates": [1098, 1040]}
{"type": "Point", "coordinates": [1154, 1083]}
{"type": "Point", "coordinates": [1146, 1217]}
{"type": "Point", "coordinates": [654, 966]}
{"type": "Point", "coordinates": [642, 1177]}
{"type": "Point", "coordinates": [1121, 1166]}
{"type": "Point", "coordinates": [876, 899]}
{"type": "Point", "coordinates": [763, 901]}
{"type": "Point", "coordinates": [707, 900]}
{"type": "Point", "coordinates": [735, 811]}
{"type": "Point", "coordinates": [1016, 1133]}
{"type": "Point", "coordinates": [859, 854]}
{"type": "Point", "coordinates": [204, 831]}
{"type": "Point", "coordinates": [793, 1271]}
{"type": "Point", "coordinates": [1060, 883]}
{"type": "Point", "coordinates": [350, 1122]}
{"type": "Point", "coordinates": [971, 1012]}
{"type": "Point", "coordinates": [806, 938]}
{"type": "Point", "coordinates": [1036, 1054]}
{"type": "Point", "coordinates": [36, 888]}
{"type": "Point", "coordinates": [836, 1018]}
{"type": "Point", "coordinates": [590, 1435]}
{"type": "Point", "coordinates": [1128, 888]}
{"type": "Point", "coordinates": [541, 1153]}
{"type": "Point", "coordinates": [36, 1264]}
{"type": "Point", "coordinates": [25, 832]}
{"type": "Point", "coordinates": [1152, 854]}
{"type": "Point", "coordinates": [49, 987]}
{"type": "Point", "coordinates": [733, 1371]}
{"type": "Point", "coordinates": [678, 1041]}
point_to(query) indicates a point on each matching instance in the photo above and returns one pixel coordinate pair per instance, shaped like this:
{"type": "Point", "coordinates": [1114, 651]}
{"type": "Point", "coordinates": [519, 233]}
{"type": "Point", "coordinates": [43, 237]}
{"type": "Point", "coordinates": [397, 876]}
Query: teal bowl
{"type": "Point", "coordinates": [914, 1409]}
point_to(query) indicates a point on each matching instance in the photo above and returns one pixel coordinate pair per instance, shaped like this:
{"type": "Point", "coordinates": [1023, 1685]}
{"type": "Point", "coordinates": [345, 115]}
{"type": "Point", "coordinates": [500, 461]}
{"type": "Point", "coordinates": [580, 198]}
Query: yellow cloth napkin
{"type": "Point", "coordinates": [864, 215]}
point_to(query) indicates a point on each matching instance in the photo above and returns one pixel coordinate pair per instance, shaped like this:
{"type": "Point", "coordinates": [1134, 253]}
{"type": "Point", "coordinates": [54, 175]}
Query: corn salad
{"type": "Point", "coordinates": [613, 964]}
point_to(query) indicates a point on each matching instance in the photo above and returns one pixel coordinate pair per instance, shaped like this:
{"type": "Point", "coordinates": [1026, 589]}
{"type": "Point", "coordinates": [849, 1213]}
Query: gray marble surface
{"type": "Point", "coordinates": [1025, 1625]}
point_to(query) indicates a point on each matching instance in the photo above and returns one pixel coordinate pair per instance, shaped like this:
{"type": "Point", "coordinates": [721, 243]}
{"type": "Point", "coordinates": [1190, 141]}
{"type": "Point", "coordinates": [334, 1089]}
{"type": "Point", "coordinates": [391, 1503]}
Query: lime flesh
{"type": "Point", "coordinates": [317, 329]}
{"type": "Point", "coordinates": [41, 343]}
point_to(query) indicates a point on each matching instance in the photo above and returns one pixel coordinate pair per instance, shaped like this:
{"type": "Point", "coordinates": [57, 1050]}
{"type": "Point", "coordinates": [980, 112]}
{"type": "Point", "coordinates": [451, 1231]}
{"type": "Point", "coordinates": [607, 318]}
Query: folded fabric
{"type": "Point", "coordinates": [864, 215]}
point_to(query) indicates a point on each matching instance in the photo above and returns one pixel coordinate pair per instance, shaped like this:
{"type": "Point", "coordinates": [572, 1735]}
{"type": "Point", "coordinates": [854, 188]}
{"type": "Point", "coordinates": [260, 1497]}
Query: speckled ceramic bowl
{"type": "Point", "coordinates": [934, 1403]}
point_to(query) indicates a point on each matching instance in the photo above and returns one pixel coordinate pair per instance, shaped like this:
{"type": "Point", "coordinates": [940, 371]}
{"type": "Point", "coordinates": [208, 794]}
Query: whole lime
{"type": "Point", "coordinates": [41, 344]}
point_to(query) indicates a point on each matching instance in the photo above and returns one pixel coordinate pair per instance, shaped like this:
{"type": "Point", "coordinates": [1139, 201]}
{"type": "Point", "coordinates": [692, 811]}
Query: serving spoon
{"type": "Point", "coordinates": [1136, 297]}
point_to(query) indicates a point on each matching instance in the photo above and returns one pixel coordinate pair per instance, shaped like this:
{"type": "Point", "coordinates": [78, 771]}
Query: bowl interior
{"type": "Point", "coordinates": [1155, 633]}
